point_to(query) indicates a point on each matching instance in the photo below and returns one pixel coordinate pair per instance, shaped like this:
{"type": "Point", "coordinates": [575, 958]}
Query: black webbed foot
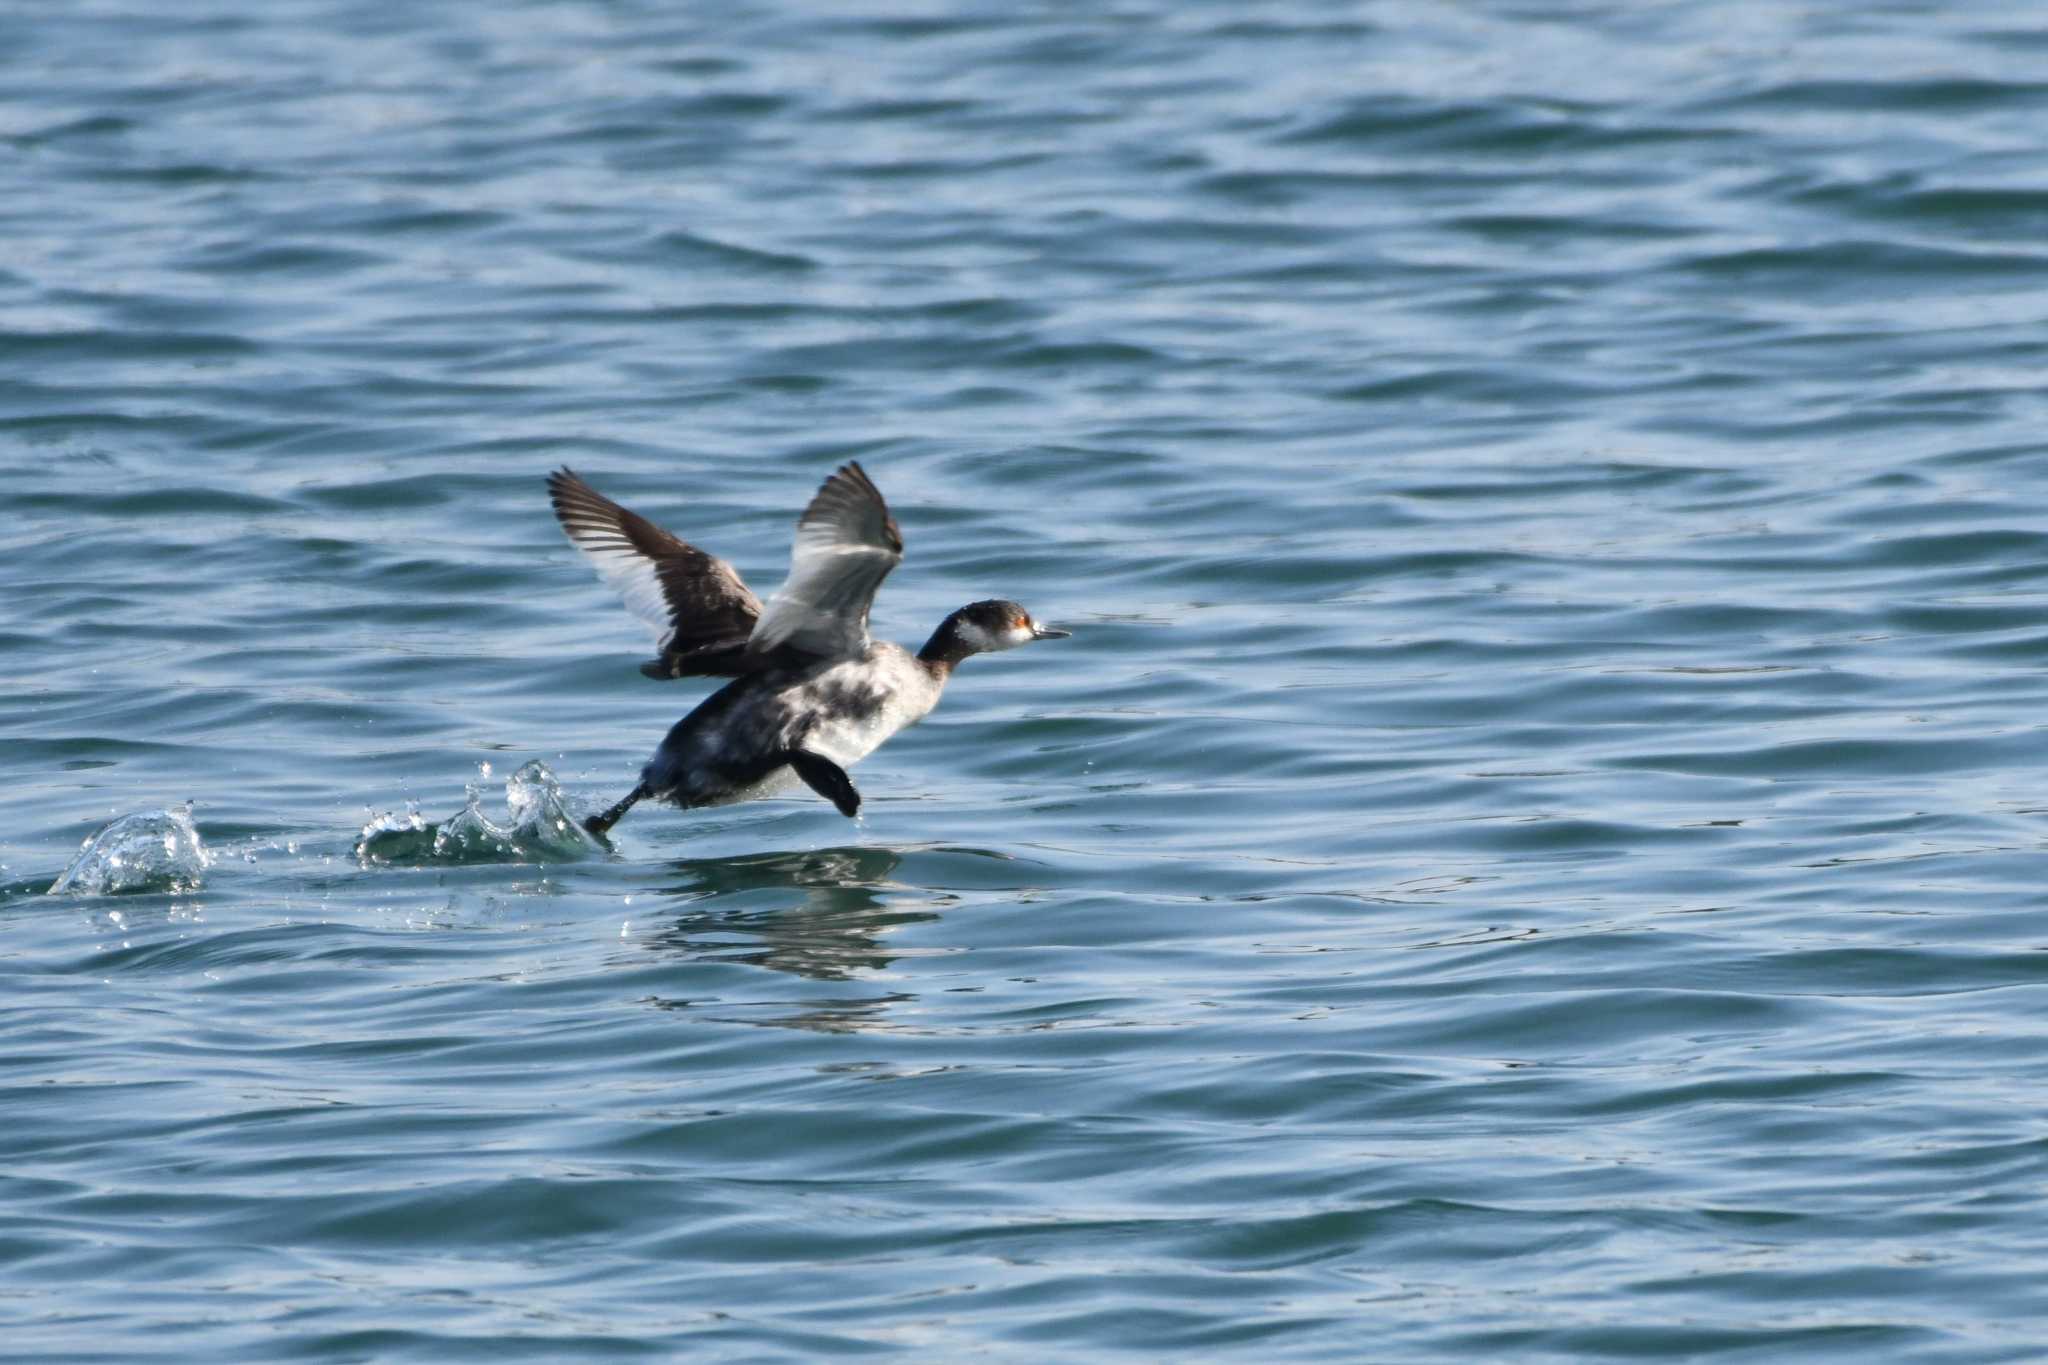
{"type": "Point", "coordinates": [827, 779]}
{"type": "Point", "coordinates": [598, 824]}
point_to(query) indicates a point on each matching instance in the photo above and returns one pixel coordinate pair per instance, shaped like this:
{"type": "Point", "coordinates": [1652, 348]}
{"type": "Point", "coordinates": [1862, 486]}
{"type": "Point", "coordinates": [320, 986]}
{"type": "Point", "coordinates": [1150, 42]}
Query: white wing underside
{"type": "Point", "coordinates": [846, 544]}
{"type": "Point", "coordinates": [635, 579]}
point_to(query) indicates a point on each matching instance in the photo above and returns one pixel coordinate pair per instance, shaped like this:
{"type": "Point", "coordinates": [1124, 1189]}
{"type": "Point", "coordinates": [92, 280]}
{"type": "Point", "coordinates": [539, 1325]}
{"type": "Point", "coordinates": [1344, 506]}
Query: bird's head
{"type": "Point", "coordinates": [984, 628]}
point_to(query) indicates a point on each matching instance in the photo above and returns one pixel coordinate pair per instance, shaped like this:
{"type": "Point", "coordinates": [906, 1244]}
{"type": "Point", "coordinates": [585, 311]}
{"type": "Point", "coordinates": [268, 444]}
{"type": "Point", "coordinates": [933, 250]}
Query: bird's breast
{"type": "Point", "coordinates": [847, 711]}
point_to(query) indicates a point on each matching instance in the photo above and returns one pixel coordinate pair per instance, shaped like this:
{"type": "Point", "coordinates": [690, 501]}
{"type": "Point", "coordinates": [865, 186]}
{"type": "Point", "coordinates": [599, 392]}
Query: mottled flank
{"type": "Point", "coordinates": [734, 746]}
{"type": "Point", "coordinates": [1534, 852]}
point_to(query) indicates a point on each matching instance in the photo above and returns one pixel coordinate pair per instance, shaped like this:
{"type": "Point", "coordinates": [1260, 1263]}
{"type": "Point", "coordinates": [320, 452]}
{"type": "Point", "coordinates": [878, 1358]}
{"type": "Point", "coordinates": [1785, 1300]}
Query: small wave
{"type": "Point", "coordinates": [1858, 262]}
{"type": "Point", "coordinates": [696, 248]}
{"type": "Point", "coordinates": [539, 829]}
{"type": "Point", "coordinates": [1484, 126]}
{"type": "Point", "coordinates": [1863, 96]}
{"type": "Point", "coordinates": [154, 850]}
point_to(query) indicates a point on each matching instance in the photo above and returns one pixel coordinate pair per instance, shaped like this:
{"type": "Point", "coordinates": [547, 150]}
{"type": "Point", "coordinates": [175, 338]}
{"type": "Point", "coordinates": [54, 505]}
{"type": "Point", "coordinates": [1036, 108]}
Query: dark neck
{"type": "Point", "coordinates": [944, 651]}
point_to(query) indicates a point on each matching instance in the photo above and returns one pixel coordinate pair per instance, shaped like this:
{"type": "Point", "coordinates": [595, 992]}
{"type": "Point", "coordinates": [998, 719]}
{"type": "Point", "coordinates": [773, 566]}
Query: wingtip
{"type": "Point", "coordinates": [563, 488]}
{"type": "Point", "coordinates": [851, 482]}
{"type": "Point", "coordinates": [852, 473]}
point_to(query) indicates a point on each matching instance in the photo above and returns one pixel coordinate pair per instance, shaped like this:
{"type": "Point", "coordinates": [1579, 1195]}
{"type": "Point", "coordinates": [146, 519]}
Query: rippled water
{"type": "Point", "coordinates": [1534, 849]}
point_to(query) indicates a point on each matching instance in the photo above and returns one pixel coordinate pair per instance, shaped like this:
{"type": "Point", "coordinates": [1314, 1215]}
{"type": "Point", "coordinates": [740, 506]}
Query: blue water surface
{"type": "Point", "coordinates": [1533, 851]}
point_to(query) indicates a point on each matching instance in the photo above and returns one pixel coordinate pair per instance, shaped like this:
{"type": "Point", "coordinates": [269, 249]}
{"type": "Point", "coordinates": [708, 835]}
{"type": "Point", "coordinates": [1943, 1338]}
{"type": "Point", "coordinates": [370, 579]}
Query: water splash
{"type": "Point", "coordinates": [153, 850]}
{"type": "Point", "coordinates": [539, 829]}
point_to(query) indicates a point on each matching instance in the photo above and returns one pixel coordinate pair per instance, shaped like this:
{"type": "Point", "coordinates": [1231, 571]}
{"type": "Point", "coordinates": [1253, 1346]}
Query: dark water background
{"type": "Point", "coordinates": [1534, 850]}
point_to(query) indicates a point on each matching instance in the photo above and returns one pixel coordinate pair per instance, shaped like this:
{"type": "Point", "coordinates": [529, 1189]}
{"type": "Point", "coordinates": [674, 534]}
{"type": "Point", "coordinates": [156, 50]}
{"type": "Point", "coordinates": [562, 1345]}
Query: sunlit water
{"type": "Point", "coordinates": [1533, 850]}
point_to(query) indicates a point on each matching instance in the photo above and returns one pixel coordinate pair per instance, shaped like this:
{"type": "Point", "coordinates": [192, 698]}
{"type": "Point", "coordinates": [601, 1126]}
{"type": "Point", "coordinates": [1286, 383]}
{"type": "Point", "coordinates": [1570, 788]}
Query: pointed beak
{"type": "Point", "coordinates": [1039, 632]}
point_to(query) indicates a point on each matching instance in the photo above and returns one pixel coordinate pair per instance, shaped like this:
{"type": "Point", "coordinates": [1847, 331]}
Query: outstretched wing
{"type": "Point", "coordinates": [701, 612]}
{"type": "Point", "coordinates": [846, 543]}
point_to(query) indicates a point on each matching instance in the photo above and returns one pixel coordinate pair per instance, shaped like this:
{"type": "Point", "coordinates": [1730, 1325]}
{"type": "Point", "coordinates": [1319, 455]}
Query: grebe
{"type": "Point", "coordinates": [811, 694]}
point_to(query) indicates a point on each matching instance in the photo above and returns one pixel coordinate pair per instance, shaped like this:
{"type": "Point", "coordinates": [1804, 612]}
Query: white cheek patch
{"type": "Point", "coordinates": [976, 638]}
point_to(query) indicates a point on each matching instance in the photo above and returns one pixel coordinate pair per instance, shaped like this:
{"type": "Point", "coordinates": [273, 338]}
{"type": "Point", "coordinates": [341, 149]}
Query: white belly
{"type": "Point", "coordinates": [848, 741]}
{"type": "Point", "coordinates": [776, 783]}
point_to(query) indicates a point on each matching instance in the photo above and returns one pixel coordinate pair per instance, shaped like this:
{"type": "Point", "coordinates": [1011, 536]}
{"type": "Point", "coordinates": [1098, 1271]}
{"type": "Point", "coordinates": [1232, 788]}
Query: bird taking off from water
{"type": "Point", "coordinates": [811, 694]}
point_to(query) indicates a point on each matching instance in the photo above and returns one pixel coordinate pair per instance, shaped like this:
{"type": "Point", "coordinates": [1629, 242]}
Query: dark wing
{"type": "Point", "coordinates": [701, 612]}
{"type": "Point", "coordinates": [846, 543]}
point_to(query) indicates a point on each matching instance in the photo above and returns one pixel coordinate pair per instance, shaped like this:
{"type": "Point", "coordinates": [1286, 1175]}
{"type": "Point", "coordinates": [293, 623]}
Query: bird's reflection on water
{"type": "Point", "coordinates": [819, 914]}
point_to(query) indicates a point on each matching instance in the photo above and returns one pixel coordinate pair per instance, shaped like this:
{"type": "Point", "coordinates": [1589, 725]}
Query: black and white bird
{"type": "Point", "coordinates": [811, 694]}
